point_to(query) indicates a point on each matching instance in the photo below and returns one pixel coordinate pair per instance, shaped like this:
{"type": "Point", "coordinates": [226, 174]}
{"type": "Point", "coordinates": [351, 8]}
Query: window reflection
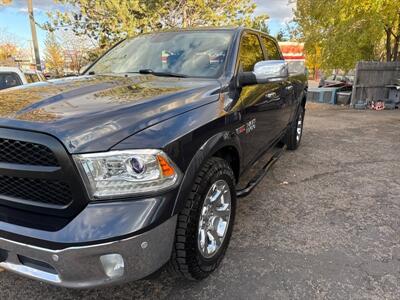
{"type": "Point", "coordinates": [250, 52]}
{"type": "Point", "coordinates": [194, 54]}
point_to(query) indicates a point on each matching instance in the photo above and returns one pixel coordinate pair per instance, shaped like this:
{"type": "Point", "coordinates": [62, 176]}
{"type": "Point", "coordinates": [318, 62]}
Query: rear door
{"type": "Point", "coordinates": [260, 103]}
{"type": "Point", "coordinates": [286, 101]}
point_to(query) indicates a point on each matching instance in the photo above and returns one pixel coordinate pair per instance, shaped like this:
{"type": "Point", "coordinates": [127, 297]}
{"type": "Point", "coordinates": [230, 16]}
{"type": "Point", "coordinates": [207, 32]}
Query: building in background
{"type": "Point", "coordinates": [16, 57]}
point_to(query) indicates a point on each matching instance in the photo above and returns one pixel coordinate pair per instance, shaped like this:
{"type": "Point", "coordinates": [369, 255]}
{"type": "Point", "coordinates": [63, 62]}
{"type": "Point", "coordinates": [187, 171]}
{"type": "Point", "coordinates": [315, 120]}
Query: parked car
{"type": "Point", "coordinates": [107, 177]}
{"type": "Point", "coordinates": [13, 76]}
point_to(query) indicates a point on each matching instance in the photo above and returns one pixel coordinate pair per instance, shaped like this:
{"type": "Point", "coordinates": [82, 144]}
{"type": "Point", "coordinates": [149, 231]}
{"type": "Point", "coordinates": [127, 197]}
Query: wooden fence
{"type": "Point", "coordinates": [371, 80]}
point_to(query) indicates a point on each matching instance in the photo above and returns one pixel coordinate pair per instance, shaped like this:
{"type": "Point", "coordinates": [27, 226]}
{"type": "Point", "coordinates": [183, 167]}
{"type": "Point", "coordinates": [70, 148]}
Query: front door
{"type": "Point", "coordinates": [260, 103]}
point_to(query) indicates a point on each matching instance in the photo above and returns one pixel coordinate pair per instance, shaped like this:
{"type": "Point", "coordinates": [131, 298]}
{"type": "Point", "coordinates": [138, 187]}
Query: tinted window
{"type": "Point", "coordinates": [271, 48]}
{"type": "Point", "coordinates": [35, 77]}
{"type": "Point", "coordinates": [41, 77]}
{"type": "Point", "coordinates": [31, 77]}
{"type": "Point", "coordinates": [28, 78]}
{"type": "Point", "coordinates": [250, 52]}
{"type": "Point", "coordinates": [198, 54]}
{"type": "Point", "coordinates": [8, 80]}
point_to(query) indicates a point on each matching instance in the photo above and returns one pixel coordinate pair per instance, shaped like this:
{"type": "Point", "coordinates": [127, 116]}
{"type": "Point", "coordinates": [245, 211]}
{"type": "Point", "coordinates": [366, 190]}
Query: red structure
{"type": "Point", "coordinates": [293, 53]}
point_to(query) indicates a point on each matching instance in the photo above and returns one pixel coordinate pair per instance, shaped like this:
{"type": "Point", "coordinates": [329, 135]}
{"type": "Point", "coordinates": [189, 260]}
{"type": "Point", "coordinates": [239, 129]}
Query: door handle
{"type": "Point", "coordinates": [271, 96]}
{"type": "Point", "coordinates": [289, 88]}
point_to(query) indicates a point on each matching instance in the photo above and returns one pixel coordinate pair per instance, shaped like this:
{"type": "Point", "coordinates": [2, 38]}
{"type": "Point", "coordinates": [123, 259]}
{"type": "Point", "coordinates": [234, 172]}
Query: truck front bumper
{"type": "Point", "coordinates": [94, 265]}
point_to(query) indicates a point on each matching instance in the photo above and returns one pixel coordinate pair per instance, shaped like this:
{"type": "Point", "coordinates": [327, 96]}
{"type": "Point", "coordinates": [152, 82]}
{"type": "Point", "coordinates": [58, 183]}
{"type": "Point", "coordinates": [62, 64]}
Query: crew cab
{"type": "Point", "coordinates": [138, 163]}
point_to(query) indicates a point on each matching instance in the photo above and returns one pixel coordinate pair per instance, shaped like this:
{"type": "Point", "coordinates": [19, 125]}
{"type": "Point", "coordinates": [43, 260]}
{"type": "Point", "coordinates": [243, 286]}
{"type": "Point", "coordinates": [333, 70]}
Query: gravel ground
{"type": "Point", "coordinates": [324, 224]}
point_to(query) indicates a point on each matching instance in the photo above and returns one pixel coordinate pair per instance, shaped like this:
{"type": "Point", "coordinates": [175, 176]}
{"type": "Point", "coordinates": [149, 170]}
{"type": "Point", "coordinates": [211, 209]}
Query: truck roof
{"type": "Point", "coordinates": [17, 70]}
{"type": "Point", "coordinates": [210, 28]}
{"type": "Point", "coordinates": [10, 69]}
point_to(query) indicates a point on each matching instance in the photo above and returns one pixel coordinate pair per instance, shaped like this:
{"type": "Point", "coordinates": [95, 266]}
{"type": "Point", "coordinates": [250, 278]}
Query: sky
{"type": "Point", "coordinates": [15, 22]}
{"type": "Point", "coordinates": [14, 18]}
{"type": "Point", "coordinates": [279, 11]}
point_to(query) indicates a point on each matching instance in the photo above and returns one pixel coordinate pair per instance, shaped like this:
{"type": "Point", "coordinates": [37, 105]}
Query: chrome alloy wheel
{"type": "Point", "coordinates": [299, 128]}
{"type": "Point", "coordinates": [214, 219]}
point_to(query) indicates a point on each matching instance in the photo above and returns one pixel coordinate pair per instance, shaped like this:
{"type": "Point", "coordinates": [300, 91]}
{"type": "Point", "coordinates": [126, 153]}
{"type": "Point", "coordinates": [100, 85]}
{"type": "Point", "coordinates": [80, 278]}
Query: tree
{"type": "Point", "coordinates": [381, 21]}
{"type": "Point", "coordinates": [260, 23]}
{"type": "Point", "coordinates": [9, 46]}
{"type": "Point", "coordinates": [282, 36]}
{"type": "Point", "coordinates": [5, 2]}
{"type": "Point", "coordinates": [108, 21]}
{"type": "Point", "coordinates": [388, 13]}
{"type": "Point", "coordinates": [8, 51]}
{"type": "Point", "coordinates": [76, 50]}
{"type": "Point", "coordinates": [347, 31]}
{"type": "Point", "coordinates": [53, 53]}
{"type": "Point", "coordinates": [290, 32]}
{"type": "Point", "coordinates": [194, 13]}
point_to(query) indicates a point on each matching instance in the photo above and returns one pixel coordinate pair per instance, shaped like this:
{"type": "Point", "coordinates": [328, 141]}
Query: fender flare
{"type": "Point", "coordinates": [206, 151]}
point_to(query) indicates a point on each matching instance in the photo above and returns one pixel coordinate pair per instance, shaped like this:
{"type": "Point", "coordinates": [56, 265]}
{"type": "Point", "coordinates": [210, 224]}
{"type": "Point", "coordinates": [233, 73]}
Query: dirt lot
{"type": "Point", "coordinates": [324, 224]}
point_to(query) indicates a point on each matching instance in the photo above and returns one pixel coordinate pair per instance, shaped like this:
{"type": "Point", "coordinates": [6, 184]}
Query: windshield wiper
{"type": "Point", "coordinates": [165, 74]}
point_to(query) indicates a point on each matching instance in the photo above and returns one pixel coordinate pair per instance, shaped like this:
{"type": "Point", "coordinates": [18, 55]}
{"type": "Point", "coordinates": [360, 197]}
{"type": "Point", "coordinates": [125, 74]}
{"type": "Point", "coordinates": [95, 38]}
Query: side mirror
{"type": "Point", "coordinates": [264, 72]}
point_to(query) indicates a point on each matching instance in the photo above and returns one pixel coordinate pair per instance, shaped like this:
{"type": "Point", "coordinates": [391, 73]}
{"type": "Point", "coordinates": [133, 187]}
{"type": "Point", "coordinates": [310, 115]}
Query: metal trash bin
{"type": "Point", "coordinates": [323, 95]}
{"type": "Point", "coordinates": [343, 98]}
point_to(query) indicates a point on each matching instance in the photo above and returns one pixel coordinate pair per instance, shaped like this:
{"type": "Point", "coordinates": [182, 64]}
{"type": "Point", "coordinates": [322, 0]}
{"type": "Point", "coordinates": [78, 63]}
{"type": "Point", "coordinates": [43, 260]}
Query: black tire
{"type": "Point", "coordinates": [187, 261]}
{"type": "Point", "coordinates": [291, 139]}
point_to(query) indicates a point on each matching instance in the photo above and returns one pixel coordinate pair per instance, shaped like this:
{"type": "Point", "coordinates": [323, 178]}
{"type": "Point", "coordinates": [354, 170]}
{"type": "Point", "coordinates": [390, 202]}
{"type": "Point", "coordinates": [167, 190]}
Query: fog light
{"type": "Point", "coordinates": [113, 265]}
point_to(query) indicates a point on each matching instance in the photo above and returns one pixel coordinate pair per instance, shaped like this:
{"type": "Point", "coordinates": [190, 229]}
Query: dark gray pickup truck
{"type": "Point", "coordinates": [137, 164]}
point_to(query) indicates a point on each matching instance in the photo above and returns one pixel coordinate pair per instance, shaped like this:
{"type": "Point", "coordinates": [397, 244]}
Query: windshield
{"type": "Point", "coordinates": [192, 54]}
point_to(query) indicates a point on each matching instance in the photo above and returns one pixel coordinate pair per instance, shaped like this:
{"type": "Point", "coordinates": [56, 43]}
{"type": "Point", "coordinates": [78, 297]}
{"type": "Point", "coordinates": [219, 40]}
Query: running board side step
{"type": "Point", "coordinates": [260, 175]}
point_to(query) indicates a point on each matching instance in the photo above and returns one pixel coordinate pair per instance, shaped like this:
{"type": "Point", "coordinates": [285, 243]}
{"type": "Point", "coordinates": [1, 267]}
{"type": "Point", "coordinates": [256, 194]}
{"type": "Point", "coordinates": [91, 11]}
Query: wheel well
{"type": "Point", "coordinates": [231, 155]}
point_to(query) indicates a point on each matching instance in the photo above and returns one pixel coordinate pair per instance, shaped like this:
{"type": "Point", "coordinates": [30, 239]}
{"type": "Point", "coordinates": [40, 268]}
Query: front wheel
{"type": "Point", "coordinates": [295, 131]}
{"type": "Point", "coordinates": [205, 225]}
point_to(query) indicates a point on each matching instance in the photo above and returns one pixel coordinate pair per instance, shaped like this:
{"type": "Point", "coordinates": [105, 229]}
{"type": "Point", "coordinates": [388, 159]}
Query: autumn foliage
{"type": "Point", "coordinates": [108, 21]}
{"type": "Point", "coordinates": [338, 33]}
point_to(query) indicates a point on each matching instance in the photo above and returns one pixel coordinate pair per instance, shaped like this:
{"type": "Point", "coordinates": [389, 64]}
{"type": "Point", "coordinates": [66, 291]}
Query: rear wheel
{"type": "Point", "coordinates": [295, 131]}
{"type": "Point", "coordinates": [205, 225]}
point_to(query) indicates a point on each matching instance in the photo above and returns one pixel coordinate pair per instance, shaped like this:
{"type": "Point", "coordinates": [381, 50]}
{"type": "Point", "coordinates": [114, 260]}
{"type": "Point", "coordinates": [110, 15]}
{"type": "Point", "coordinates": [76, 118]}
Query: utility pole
{"type": "Point", "coordinates": [34, 36]}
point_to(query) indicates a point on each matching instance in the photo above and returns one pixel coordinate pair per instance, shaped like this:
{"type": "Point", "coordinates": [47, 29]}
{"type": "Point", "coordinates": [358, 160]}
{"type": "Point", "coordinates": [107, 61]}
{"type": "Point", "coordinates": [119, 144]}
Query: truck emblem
{"type": "Point", "coordinates": [250, 126]}
{"type": "Point", "coordinates": [247, 128]}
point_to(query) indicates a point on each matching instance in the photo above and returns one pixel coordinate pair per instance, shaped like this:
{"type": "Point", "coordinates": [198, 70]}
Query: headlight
{"type": "Point", "coordinates": [124, 173]}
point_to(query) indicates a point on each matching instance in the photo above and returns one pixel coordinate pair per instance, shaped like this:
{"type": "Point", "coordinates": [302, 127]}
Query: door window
{"type": "Point", "coordinates": [271, 48]}
{"type": "Point", "coordinates": [250, 52]}
{"type": "Point", "coordinates": [8, 80]}
{"type": "Point", "coordinates": [28, 78]}
{"type": "Point", "coordinates": [35, 78]}
{"type": "Point", "coordinates": [31, 77]}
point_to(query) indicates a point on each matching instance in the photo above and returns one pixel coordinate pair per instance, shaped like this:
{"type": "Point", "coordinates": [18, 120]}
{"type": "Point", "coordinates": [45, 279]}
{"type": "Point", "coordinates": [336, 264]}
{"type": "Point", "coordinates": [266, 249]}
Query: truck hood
{"type": "Point", "coordinates": [94, 113]}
